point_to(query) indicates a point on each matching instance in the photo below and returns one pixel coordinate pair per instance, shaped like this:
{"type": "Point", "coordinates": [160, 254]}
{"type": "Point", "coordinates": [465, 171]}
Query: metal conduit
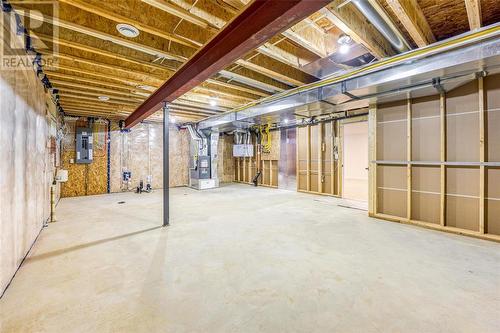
{"type": "Point", "coordinates": [380, 23]}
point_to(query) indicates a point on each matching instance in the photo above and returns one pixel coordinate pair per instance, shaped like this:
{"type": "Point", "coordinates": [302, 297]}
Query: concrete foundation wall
{"type": "Point", "coordinates": [26, 167]}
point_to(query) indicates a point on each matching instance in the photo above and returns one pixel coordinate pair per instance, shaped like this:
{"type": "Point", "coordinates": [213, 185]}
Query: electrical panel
{"type": "Point", "coordinates": [84, 145]}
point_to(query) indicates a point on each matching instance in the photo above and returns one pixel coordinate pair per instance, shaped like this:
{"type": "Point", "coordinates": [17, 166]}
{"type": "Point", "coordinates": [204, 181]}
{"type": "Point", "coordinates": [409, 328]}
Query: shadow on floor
{"type": "Point", "coordinates": [82, 246]}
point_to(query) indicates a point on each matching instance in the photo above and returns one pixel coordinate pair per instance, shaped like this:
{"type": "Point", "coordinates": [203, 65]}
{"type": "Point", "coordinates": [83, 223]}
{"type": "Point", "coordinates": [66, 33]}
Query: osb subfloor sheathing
{"type": "Point", "coordinates": [248, 259]}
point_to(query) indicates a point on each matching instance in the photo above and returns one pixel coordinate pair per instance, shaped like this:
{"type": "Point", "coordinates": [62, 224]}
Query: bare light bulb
{"type": "Point", "coordinates": [344, 48]}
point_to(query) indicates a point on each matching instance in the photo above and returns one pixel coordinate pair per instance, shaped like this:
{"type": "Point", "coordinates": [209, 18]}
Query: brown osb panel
{"type": "Point", "coordinates": [492, 87]}
{"type": "Point", "coordinates": [446, 18]}
{"type": "Point", "coordinates": [315, 147]}
{"type": "Point", "coordinates": [490, 11]}
{"type": "Point", "coordinates": [274, 170]}
{"type": "Point", "coordinates": [226, 168]}
{"type": "Point", "coordinates": [302, 158]}
{"type": "Point", "coordinates": [97, 174]}
{"type": "Point", "coordinates": [391, 190]}
{"type": "Point", "coordinates": [328, 177]}
{"type": "Point", "coordinates": [77, 175]}
{"type": "Point", "coordinates": [493, 201]}
{"type": "Point", "coordinates": [179, 155]}
{"type": "Point", "coordinates": [116, 151]}
{"type": "Point", "coordinates": [274, 154]}
{"type": "Point", "coordinates": [426, 206]}
{"type": "Point", "coordinates": [462, 201]}
{"type": "Point", "coordinates": [462, 126]}
{"type": "Point", "coordinates": [397, 22]}
{"type": "Point", "coordinates": [85, 179]}
{"type": "Point", "coordinates": [426, 129]}
{"type": "Point", "coordinates": [391, 131]}
{"type": "Point", "coordinates": [138, 159]}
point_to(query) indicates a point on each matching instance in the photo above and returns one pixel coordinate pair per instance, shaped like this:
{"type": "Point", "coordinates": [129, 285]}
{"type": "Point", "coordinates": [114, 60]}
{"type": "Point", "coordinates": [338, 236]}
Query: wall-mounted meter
{"type": "Point", "coordinates": [84, 145]}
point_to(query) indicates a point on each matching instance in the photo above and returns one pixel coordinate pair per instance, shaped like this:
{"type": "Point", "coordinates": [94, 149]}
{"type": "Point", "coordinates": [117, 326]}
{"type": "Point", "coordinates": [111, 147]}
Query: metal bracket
{"type": "Point", "coordinates": [436, 83]}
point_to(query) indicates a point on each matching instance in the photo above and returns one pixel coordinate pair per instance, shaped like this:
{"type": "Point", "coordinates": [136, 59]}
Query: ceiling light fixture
{"type": "Point", "coordinates": [285, 120]}
{"type": "Point", "coordinates": [344, 42]}
{"type": "Point", "coordinates": [172, 119]}
{"type": "Point", "coordinates": [145, 87]}
{"type": "Point", "coordinates": [127, 30]}
{"type": "Point", "coordinates": [103, 98]}
{"type": "Point", "coordinates": [213, 101]}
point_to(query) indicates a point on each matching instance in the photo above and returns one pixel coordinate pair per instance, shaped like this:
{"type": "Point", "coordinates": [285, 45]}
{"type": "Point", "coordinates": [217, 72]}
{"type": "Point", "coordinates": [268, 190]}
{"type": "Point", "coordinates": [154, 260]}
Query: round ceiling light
{"type": "Point", "coordinates": [127, 30]}
{"type": "Point", "coordinates": [213, 101]}
{"type": "Point", "coordinates": [344, 39]}
{"type": "Point", "coordinates": [344, 42]}
{"type": "Point", "coordinates": [103, 98]}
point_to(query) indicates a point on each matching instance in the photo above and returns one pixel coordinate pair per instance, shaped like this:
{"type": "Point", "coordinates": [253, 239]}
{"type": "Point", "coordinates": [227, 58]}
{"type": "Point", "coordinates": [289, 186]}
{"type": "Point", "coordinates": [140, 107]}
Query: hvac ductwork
{"type": "Point", "coordinates": [442, 65]}
{"type": "Point", "coordinates": [382, 24]}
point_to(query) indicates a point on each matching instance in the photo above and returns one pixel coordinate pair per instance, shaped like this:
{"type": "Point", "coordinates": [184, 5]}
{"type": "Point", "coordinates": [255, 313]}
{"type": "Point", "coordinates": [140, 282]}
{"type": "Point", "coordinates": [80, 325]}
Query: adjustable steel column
{"type": "Point", "coordinates": [166, 203]}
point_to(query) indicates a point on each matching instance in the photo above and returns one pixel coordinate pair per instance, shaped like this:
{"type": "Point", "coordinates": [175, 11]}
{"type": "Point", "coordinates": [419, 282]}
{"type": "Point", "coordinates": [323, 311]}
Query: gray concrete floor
{"type": "Point", "coordinates": [245, 259]}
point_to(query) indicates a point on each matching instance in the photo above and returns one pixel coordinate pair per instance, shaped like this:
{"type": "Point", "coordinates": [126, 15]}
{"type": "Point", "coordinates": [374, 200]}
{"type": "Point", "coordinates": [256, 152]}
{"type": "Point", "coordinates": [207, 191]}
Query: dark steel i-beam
{"type": "Point", "coordinates": [260, 21]}
{"type": "Point", "coordinates": [166, 159]}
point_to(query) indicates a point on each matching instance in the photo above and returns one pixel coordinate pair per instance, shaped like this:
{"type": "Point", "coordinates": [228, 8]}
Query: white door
{"type": "Point", "coordinates": [355, 161]}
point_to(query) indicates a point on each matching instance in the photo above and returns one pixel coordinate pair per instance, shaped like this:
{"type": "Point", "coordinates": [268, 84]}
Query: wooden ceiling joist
{"type": "Point", "coordinates": [474, 13]}
{"type": "Point", "coordinates": [116, 56]}
{"type": "Point", "coordinates": [73, 78]}
{"type": "Point", "coordinates": [112, 100]}
{"type": "Point", "coordinates": [125, 70]}
{"type": "Point", "coordinates": [270, 50]}
{"type": "Point", "coordinates": [250, 81]}
{"type": "Point", "coordinates": [352, 23]}
{"type": "Point", "coordinates": [97, 10]}
{"type": "Point", "coordinates": [286, 79]}
{"type": "Point", "coordinates": [253, 27]}
{"type": "Point", "coordinates": [181, 13]}
{"type": "Point", "coordinates": [103, 91]}
{"type": "Point", "coordinates": [313, 41]}
{"type": "Point", "coordinates": [35, 15]}
{"type": "Point", "coordinates": [149, 65]}
{"type": "Point", "coordinates": [413, 19]}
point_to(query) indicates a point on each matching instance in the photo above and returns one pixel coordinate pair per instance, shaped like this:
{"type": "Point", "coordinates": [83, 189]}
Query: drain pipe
{"type": "Point", "coordinates": [382, 24]}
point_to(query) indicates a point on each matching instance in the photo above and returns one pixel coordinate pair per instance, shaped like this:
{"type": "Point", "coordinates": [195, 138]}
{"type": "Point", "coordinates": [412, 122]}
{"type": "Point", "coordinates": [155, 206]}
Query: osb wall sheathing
{"type": "Point", "coordinates": [85, 179]}
{"type": "Point", "coordinates": [246, 167]}
{"type": "Point", "coordinates": [140, 151]}
{"type": "Point", "coordinates": [26, 167]}
{"type": "Point", "coordinates": [274, 152]}
{"type": "Point", "coordinates": [447, 194]}
{"type": "Point", "coordinates": [317, 171]}
{"type": "Point", "coordinates": [226, 162]}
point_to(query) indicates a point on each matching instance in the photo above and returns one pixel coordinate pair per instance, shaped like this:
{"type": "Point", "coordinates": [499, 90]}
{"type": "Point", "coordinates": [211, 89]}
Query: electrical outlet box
{"type": "Point", "coordinates": [84, 145]}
